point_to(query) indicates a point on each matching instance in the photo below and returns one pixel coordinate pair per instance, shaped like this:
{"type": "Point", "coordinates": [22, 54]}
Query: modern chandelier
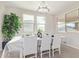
{"type": "Point", "coordinates": [43, 7]}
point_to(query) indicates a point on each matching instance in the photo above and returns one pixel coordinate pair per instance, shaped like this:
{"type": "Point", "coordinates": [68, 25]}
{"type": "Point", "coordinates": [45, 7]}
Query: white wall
{"type": "Point", "coordinates": [50, 24]}
{"type": "Point", "coordinates": [2, 11]}
{"type": "Point", "coordinates": [19, 12]}
{"type": "Point", "coordinates": [70, 38]}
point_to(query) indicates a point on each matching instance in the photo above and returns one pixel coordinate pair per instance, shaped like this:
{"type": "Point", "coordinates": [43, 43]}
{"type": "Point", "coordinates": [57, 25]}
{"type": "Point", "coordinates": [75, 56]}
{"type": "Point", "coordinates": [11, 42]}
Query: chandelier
{"type": "Point", "coordinates": [43, 7]}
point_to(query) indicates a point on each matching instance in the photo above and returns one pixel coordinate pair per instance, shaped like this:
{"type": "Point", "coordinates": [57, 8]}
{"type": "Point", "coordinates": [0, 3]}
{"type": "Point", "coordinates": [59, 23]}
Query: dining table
{"type": "Point", "coordinates": [15, 46]}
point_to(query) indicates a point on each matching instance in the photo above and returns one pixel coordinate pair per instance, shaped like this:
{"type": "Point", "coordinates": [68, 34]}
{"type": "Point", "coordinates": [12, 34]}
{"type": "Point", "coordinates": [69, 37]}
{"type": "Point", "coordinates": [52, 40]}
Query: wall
{"type": "Point", "coordinates": [2, 11]}
{"type": "Point", "coordinates": [70, 38]}
{"type": "Point", "coordinates": [19, 12]}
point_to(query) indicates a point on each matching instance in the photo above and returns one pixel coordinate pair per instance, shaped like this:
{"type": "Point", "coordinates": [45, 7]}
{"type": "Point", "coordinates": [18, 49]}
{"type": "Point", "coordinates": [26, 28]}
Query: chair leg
{"type": "Point", "coordinates": [41, 54]}
{"type": "Point", "coordinates": [36, 55]}
{"type": "Point", "coordinates": [49, 53]}
{"type": "Point", "coordinates": [59, 51]}
{"type": "Point", "coordinates": [53, 52]}
{"type": "Point", "coordinates": [21, 54]}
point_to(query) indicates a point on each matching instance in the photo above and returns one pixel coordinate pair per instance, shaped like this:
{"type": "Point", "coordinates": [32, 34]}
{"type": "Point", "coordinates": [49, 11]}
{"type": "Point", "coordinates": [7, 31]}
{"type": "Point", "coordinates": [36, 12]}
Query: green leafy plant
{"type": "Point", "coordinates": [11, 26]}
{"type": "Point", "coordinates": [40, 30]}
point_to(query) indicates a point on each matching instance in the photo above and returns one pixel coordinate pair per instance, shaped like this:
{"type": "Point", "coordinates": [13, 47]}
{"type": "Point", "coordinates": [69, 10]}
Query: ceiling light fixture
{"type": "Point", "coordinates": [43, 7]}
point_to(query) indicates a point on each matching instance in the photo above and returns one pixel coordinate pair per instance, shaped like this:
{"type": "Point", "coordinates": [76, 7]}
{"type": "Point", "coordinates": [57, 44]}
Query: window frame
{"type": "Point", "coordinates": [72, 12]}
{"type": "Point", "coordinates": [28, 23]}
{"type": "Point", "coordinates": [35, 24]}
{"type": "Point", "coordinates": [41, 23]}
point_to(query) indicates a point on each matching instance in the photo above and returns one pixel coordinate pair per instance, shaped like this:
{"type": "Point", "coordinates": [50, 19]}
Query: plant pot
{"type": "Point", "coordinates": [3, 44]}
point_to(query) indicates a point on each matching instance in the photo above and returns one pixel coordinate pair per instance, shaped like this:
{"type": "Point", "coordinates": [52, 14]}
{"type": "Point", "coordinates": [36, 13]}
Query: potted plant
{"type": "Point", "coordinates": [11, 26]}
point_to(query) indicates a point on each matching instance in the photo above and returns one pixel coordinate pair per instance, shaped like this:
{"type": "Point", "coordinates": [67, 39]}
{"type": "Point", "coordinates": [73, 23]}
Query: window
{"type": "Point", "coordinates": [40, 23]}
{"type": "Point", "coordinates": [28, 22]}
{"type": "Point", "coordinates": [32, 25]}
{"type": "Point", "coordinates": [71, 26]}
{"type": "Point", "coordinates": [69, 22]}
{"type": "Point", "coordinates": [72, 21]}
{"type": "Point", "coordinates": [61, 23]}
{"type": "Point", "coordinates": [61, 26]}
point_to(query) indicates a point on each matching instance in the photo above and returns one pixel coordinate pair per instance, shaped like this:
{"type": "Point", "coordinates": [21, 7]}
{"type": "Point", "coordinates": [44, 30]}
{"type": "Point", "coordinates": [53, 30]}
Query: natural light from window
{"type": "Point", "coordinates": [32, 24]}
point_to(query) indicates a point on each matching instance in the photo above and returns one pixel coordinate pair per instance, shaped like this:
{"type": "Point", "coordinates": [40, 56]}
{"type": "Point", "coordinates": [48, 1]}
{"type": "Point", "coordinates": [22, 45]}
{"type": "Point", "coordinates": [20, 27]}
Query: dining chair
{"type": "Point", "coordinates": [56, 44]}
{"type": "Point", "coordinates": [45, 44]}
{"type": "Point", "coordinates": [30, 45]}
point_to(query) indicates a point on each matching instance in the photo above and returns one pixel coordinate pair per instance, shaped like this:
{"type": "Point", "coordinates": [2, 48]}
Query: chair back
{"type": "Point", "coordinates": [46, 41]}
{"type": "Point", "coordinates": [29, 45]}
{"type": "Point", "coordinates": [56, 41]}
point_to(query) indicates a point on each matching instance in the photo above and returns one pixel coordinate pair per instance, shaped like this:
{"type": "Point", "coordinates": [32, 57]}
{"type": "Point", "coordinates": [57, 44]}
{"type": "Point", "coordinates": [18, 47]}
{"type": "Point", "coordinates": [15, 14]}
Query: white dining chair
{"type": "Point", "coordinates": [56, 44]}
{"type": "Point", "coordinates": [45, 44]}
{"type": "Point", "coordinates": [30, 45]}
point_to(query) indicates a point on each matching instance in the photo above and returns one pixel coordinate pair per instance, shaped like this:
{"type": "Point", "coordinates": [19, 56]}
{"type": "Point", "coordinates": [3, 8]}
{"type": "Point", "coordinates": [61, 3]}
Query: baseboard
{"type": "Point", "coordinates": [72, 46]}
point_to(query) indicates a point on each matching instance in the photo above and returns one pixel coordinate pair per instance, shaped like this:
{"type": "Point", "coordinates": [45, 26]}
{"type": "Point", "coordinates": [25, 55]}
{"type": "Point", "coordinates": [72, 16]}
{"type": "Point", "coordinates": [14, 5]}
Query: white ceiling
{"type": "Point", "coordinates": [56, 7]}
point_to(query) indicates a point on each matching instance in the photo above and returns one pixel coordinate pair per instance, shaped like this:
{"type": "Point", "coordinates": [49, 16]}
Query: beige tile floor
{"type": "Point", "coordinates": [66, 52]}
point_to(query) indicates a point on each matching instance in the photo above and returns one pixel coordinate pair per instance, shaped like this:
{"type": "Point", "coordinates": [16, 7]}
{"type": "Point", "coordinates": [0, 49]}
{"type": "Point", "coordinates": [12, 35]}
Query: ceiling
{"type": "Point", "coordinates": [56, 7]}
